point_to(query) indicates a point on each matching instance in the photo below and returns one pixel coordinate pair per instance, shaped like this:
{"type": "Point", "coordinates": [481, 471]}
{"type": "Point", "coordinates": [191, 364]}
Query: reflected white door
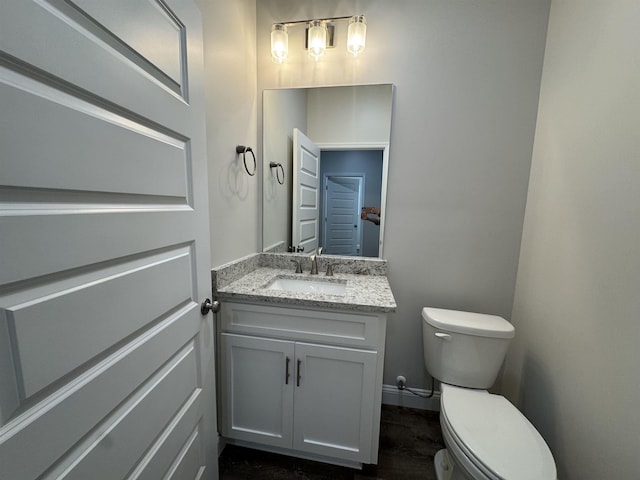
{"type": "Point", "coordinates": [306, 189]}
{"type": "Point", "coordinates": [342, 226]}
{"type": "Point", "coordinates": [106, 363]}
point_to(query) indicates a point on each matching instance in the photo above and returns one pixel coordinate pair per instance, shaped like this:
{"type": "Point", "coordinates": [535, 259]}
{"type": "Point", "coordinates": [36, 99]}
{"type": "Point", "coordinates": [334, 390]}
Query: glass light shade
{"type": "Point", "coordinates": [279, 43]}
{"type": "Point", "coordinates": [317, 39]}
{"type": "Point", "coordinates": [356, 35]}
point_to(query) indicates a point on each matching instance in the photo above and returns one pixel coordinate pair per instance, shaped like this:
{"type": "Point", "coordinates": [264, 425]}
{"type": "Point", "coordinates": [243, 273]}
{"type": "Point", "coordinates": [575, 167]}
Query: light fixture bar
{"type": "Point", "coordinates": [319, 36]}
{"type": "Point", "coordinates": [306, 22]}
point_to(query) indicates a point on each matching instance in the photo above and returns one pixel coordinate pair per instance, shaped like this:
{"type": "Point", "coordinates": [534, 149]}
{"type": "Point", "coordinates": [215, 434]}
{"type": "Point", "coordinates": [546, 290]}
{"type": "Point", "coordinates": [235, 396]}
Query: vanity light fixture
{"type": "Point", "coordinates": [279, 42]}
{"type": "Point", "coordinates": [357, 34]}
{"type": "Point", "coordinates": [319, 36]}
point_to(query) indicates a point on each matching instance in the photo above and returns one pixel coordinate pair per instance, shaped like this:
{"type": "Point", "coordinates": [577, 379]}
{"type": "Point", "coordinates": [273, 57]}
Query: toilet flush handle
{"type": "Point", "coordinates": [443, 336]}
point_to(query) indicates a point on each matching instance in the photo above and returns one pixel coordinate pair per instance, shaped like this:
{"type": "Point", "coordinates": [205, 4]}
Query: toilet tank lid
{"type": "Point", "coordinates": [478, 324]}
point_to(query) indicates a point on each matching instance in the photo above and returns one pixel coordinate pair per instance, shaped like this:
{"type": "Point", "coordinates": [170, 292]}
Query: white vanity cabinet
{"type": "Point", "coordinates": [302, 381]}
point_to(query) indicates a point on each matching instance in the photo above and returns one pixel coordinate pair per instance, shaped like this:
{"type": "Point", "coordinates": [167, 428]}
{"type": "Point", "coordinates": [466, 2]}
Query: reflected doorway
{"type": "Point", "coordinates": [342, 227]}
{"type": "Point", "coordinates": [351, 181]}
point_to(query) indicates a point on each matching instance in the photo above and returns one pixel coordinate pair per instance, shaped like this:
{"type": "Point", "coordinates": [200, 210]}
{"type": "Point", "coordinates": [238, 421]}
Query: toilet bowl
{"type": "Point", "coordinates": [487, 438]}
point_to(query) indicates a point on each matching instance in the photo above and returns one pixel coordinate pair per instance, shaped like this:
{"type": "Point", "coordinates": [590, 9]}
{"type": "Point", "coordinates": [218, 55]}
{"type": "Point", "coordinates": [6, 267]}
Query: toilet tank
{"type": "Point", "coordinates": [463, 348]}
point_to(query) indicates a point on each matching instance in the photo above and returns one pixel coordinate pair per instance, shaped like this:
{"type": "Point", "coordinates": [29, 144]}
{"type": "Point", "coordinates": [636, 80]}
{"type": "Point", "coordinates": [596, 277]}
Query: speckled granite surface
{"type": "Point", "coordinates": [246, 280]}
{"type": "Point", "coordinates": [232, 271]}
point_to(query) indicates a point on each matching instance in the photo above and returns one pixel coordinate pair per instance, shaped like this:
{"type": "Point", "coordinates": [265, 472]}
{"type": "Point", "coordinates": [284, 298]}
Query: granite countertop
{"type": "Point", "coordinates": [365, 293]}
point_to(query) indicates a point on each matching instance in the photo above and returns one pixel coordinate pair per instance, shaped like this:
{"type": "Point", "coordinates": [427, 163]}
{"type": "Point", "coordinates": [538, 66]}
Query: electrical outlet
{"type": "Point", "coordinates": [401, 382]}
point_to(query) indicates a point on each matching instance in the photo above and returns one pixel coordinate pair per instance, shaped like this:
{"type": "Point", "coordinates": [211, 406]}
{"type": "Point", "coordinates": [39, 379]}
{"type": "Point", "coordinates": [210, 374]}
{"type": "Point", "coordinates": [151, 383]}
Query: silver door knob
{"type": "Point", "coordinates": [208, 306]}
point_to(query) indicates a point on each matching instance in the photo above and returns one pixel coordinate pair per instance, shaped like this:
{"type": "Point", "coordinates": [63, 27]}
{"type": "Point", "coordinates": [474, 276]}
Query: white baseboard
{"type": "Point", "coordinates": [403, 398]}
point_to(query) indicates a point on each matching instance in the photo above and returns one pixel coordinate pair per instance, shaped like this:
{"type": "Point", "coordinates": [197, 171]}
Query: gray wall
{"type": "Point", "coordinates": [467, 77]}
{"type": "Point", "coordinates": [574, 367]}
{"type": "Point", "coordinates": [287, 109]}
{"type": "Point", "coordinates": [231, 96]}
{"type": "Point", "coordinates": [350, 114]}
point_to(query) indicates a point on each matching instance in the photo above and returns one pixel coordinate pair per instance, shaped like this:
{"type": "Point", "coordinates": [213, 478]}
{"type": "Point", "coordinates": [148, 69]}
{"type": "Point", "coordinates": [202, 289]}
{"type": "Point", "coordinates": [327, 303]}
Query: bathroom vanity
{"type": "Point", "coordinates": [300, 366]}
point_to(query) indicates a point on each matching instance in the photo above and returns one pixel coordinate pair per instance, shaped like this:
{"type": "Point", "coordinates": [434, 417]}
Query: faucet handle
{"type": "Point", "coordinates": [330, 269]}
{"type": "Point", "coordinates": [298, 265]}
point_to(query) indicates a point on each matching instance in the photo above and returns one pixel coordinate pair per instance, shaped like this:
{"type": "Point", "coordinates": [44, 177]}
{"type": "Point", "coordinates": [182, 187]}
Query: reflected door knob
{"type": "Point", "coordinates": [208, 306]}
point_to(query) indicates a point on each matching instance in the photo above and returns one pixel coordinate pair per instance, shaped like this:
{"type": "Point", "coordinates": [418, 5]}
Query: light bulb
{"type": "Point", "coordinates": [356, 35]}
{"type": "Point", "coordinates": [317, 39]}
{"type": "Point", "coordinates": [279, 43]}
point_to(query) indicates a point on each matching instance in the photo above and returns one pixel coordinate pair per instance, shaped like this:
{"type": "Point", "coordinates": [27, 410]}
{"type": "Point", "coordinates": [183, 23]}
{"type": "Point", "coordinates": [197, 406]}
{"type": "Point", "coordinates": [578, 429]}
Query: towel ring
{"type": "Point", "coordinates": [279, 168]}
{"type": "Point", "coordinates": [243, 150]}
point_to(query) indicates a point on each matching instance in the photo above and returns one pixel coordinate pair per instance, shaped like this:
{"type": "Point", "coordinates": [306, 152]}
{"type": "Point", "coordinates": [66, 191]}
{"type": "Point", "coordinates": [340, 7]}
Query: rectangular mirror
{"type": "Point", "coordinates": [326, 158]}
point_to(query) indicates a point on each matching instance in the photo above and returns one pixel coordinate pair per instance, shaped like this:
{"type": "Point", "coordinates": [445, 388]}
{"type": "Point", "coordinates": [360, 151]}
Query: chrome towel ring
{"type": "Point", "coordinates": [241, 149]}
{"type": "Point", "coordinates": [279, 168]}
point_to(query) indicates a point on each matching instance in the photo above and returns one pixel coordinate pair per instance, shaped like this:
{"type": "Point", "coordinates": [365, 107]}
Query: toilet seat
{"type": "Point", "coordinates": [493, 436]}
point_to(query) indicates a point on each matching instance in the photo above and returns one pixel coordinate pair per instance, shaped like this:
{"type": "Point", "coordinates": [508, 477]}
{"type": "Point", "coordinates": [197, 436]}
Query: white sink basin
{"type": "Point", "coordinates": [302, 285]}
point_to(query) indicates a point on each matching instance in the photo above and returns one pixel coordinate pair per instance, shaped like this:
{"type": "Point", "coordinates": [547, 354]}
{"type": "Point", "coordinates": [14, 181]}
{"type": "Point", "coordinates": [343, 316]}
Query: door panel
{"type": "Point", "coordinates": [181, 433]}
{"type": "Point", "coordinates": [259, 393]}
{"type": "Point", "coordinates": [61, 35]}
{"type": "Point", "coordinates": [163, 47]}
{"type": "Point", "coordinates": [306, 189]}
{"type": "Point", "coordinates": [118, 153]}
{"type": "Point", "coordinates": [106, 362]}
{"type": "Point", "coordinates": [188, 463]}
{"type": "Point", "coordinates": [343, 226]}
{"type": "Point", "coordinates": [46, 350]}
{"type": "Point", "coordinates": [334, 402]}
{"type": "Point", "coordinates": [59, 420]}
{"type": "Point", "coordinates": [131, 427]}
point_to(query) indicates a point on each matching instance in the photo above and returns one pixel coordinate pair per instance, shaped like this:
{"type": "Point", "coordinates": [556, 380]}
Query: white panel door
{"type": "Point", "coordinates": [306, 188]}
{"type": "Point", "coordinates": [106, 363]}
{"type": "Point", "coordinates": [342, 225]}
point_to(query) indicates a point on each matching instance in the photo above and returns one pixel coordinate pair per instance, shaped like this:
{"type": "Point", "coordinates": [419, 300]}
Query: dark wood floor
{"type": "Point", "coordinates": [409, 439]}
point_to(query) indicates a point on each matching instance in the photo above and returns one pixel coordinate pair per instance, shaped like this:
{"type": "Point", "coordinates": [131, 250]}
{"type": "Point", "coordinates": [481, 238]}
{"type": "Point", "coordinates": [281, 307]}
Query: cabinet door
{"type": "Point", "coordinates": [334, 402]}
{"type": "Point", "coordinates": [257, 389]}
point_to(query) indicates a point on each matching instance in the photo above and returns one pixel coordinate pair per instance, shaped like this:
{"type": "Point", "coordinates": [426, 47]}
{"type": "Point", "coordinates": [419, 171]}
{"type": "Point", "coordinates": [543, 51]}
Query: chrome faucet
{"type": "Point", "coordinates": [330, 269]}
{"type": "Point", "coordinates": [314, 261]}
{"type": "Point", "coordinates": [298, 265]}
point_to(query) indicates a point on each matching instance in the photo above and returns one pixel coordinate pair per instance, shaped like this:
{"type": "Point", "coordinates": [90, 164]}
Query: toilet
{"type": "Point", "coordinates": [486, 437]}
